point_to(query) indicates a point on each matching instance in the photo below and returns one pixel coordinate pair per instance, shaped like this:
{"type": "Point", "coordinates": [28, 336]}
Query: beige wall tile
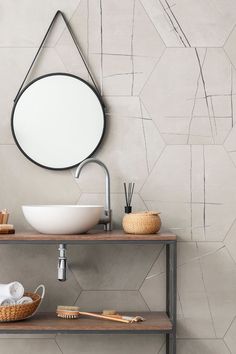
{"type": "Point", "coordinates": [202, 346]}
{"type": "Point", "coordinates": [163, 134]}
{"type": "Point", "coordinates": [106, 344]}
{"type": "Point", "coordinates": [112, 267]}
{"type": "Point", "coordinates": [28, 346]}
{"type": "Point", "coordinates": [230, 337]}
{"type": "Point", "coordinates": [116, 300]}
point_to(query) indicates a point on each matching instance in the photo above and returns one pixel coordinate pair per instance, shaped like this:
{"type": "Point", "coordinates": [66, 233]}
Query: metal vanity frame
{"type": "Point", "coordinates": [113, 237]}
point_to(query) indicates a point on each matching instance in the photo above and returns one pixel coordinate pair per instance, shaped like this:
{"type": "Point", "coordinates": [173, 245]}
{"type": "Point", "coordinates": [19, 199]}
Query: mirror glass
{"type": "Point", "coordinates": [58, 121]}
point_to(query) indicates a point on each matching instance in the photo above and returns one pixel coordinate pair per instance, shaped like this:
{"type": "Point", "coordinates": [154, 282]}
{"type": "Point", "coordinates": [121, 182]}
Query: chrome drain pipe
{"type": "Point", "coordinates": [61, 268]}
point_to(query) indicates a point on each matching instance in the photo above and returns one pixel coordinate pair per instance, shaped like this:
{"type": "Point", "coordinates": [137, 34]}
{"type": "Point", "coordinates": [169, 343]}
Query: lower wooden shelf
{"type": "Point", "coordinates": [46, 322]}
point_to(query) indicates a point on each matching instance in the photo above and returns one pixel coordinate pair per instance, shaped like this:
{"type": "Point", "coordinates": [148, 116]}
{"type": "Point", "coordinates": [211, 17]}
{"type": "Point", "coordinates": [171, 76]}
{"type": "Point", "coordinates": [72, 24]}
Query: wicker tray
{"type": "Point", "coordinates": [23, 311]}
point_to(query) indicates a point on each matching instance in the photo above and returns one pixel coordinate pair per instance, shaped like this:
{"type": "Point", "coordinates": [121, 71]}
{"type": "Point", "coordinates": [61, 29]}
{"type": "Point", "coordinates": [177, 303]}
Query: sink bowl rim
{"type": "Point", "coordinates": [63, 206]}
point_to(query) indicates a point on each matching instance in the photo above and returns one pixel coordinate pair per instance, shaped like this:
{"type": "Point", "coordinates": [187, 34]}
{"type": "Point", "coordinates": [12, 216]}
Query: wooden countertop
{"type": "Point", "coordinates": [92, 236]}
{"type": "Point", "coordinates": [49, 323]}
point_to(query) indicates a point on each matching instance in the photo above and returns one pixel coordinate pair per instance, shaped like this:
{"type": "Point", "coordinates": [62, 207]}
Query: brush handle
{"type": "Point", "coordinates": [128, 318]}
{"type": "Point", "coordinates": [91, 314]}
{"type": "Point", "coordinates": [121, 317]}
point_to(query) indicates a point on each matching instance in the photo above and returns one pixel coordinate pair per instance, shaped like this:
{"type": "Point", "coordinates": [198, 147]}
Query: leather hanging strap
{"type": "Point", "coordinates": [76, 44]}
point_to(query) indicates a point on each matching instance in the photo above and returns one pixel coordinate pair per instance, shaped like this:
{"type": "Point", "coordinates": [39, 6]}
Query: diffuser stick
{"type": "Point", "coordinates": [126, 198]}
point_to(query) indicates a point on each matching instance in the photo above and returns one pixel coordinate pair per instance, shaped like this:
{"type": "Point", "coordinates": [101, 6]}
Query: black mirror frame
{"type": "Point", "coordinates": [19, 96]}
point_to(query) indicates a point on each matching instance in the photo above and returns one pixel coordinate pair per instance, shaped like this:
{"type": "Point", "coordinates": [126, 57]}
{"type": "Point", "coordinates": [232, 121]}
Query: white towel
{"type": "Point", "coordinates": [14, 290]}
{"type": "Point", "coordinates": [24, 300]}
{"type": "Point", "coordinates": [7, 302]}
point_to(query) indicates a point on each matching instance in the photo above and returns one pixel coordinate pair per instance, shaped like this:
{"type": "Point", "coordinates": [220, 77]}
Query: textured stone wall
{"type": "Point", "coordinates": [166, 69]}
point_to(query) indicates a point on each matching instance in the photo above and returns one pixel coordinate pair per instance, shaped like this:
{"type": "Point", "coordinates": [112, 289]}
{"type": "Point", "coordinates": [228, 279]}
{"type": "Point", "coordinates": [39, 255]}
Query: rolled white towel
{"type": "Point", "coordinates": [7, 301]}
{"type": "Point", "coordinates": [24, 300]}
{"type": "Point", "coordinates": [14, 290]}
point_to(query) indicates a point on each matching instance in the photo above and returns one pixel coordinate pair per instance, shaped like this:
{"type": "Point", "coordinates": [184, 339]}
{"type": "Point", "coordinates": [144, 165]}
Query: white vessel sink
{"type": "Point", "coordinates": [62, 219]}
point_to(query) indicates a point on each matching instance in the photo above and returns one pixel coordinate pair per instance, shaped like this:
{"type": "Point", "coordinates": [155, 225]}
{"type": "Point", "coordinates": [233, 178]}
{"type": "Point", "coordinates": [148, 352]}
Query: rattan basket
{"type": "Point", "coordinates": [21, 312]}
{"type": "Point", "coordinates": [142, 223]}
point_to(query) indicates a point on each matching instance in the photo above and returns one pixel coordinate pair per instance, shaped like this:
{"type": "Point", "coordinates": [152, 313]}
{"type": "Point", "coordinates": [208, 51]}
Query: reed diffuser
{"type": "Point", "coordinates": [129, 190]}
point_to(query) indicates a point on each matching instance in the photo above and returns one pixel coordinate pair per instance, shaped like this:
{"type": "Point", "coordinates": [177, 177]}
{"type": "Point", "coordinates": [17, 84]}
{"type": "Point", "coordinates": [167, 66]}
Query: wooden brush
{"type": "Point", "coordinates": [68, 312]}
{"type": "Point", "coordinates": [72, 312]}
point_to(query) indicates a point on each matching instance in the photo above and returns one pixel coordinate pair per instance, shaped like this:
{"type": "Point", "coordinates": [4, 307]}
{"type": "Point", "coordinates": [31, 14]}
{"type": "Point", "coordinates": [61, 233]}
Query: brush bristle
{"type": "Point", "coordinates": [67, 316]}
{"type": "Point", "coordinates": [68, 312]}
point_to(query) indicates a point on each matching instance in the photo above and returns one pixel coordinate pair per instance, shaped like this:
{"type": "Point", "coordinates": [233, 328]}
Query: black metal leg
{"type": "Point", "coordinates": [168, 279]}
{"type": "Point", "coordinates": [171, 291]}
{"type": "Point", "coordinates": [167, 293]}
{"type": "Point", "coordinates": [167, 344]}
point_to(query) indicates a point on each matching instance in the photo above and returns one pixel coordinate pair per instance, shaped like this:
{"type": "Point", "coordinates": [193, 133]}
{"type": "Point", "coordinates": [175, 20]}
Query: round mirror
{"type": "Point", "coordinates": [58, 121]}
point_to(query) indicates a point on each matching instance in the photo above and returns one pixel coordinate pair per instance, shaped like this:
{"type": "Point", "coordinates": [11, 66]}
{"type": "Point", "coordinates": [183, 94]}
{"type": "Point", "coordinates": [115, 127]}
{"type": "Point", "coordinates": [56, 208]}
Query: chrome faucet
{"type": "Point", "coordinates": [107, 219]}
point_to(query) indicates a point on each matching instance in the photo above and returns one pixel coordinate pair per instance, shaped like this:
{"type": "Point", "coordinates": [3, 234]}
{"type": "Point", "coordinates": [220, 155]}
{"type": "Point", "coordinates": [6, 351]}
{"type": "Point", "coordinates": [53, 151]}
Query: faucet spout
{"type": "Point", "coordinates": [107, 219]}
